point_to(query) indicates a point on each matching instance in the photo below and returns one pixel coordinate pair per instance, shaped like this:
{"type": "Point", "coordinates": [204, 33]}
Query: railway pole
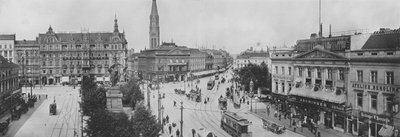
{"type": "Point", "coordinates": [181, 119]}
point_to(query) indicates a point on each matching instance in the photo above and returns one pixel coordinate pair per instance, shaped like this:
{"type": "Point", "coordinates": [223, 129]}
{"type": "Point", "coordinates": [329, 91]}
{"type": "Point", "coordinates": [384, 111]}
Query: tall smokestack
{"type": "Point", "coordinates": [320, 23]}
{"type": "Point", "coordinates": [330, 30]}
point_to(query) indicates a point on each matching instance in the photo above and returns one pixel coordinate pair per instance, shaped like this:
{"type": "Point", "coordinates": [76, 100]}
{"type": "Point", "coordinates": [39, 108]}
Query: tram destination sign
{"type": "Point", "coordinates": [377, 87]}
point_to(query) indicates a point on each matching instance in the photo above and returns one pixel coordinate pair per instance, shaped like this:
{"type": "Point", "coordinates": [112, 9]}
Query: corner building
{"type": "Point", "coordinates": [66, 56]}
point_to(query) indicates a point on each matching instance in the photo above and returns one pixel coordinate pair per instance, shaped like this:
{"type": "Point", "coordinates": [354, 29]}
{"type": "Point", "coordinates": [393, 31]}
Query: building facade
{"type": "Point", "coordinates": [27, 55]}
{"type": "Point", "coordinates": [66, 56]}
{"type": "Point", "coordinates": [253, 57]}
{"type": "Point", "coordinates": [7, 47]}
{"type": "Point", "coordinates": [168, 62]}
{"type": "Point", "coordinates": [9, 85]}
{"type": "Point", "coordinates": [374, 83]}
{"type": "Point", "coordinates": [197, 61]}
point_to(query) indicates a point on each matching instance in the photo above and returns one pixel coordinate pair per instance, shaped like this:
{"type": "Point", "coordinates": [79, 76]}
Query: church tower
{"type": "Point", "coordinates": [154, 31]}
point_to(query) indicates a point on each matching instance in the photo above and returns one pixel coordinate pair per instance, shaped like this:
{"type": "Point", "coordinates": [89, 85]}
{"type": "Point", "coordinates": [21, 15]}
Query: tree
{"type": "Point", "coordinates": [93, 97]}
{"type": "Point", "coordinates": [107, 124]}
{"type": "Point", "coordinates": [258, 73]}
{"type": "Point", "coordinates": [131, 93]}
{"type": "Point", "coordinates": [144, 122]}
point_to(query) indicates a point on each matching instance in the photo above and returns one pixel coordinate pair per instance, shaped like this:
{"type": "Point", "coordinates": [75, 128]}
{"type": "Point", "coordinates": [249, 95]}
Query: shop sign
{"type": "Point", "coordinates": [375, 117]}
{"type": "Point", "coordinates": [377, 87]}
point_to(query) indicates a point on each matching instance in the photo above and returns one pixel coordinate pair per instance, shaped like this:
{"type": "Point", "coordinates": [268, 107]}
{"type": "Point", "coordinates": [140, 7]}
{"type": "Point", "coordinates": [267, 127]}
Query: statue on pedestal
{"type": "Point", "coordinates": [114, 73]}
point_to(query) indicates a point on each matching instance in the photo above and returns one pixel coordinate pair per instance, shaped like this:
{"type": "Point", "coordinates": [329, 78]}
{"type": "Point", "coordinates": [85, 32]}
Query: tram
{"type": "Point", "coordinates": [235, 125]}
{"type": "Point", "coordinates": [210, 84]}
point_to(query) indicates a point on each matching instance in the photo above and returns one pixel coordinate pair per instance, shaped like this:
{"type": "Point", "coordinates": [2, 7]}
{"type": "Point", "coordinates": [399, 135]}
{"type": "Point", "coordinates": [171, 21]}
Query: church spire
{"type": "Point", "coordinates": [154, 30]}
{"type": "Point", "coordinates": [116, 24]}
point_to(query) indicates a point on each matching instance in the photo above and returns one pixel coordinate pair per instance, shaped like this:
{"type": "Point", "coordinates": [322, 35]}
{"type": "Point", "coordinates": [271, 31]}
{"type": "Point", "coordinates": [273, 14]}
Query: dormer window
{"type": "Point", "coordinates": [360, 54]}
{"type": "Point", "coordinates": [389, 53]}
{"type": "Point", "coordinates": [374, 53]}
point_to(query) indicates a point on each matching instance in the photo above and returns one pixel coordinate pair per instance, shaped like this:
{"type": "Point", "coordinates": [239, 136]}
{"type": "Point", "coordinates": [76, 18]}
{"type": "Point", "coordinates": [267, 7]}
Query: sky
{"type": "Point", "coordinates": [233, 25]}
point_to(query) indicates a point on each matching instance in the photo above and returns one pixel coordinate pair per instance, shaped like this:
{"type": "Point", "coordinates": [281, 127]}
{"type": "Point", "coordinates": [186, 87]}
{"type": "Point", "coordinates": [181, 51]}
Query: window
{"type": "Point", "coordinates": [276, 69]}
{"type": "Point", "coordinates": [341, 74]}
{"type": "Point", "coordinates": [276, 86]}
{"type": "Point", "coordinates": [389, 77]}
{"type": "Point", "coordinates": [1, 46]}
{"type": "Point", "coordinates": [360, 99]}
{"type": "Point", "coordinates": [283, 87]}
{"type": "Point", "coordinates": [300, 72]}
{"type": "Point", "coordinates": [10, 52]}
{"type": "Point", "coordinates": [290, 70]}
{"type": "Point", "coordinates": [283, 70]}
{"type": "Point", "coordinates": [64, 71]}
{"type": "Point", "coordinates": [44, 71]}
{"type": "Point", "coordinates": [388, 103]}
{"type": "Point", "coordinates": [318, 73]}
{"type": "Point", "coordinates": [388, 53]}
{"type": "Point", "coordinates": [374, 76]}
{"type": "Point", "coordinates": [43, 63]}
{"type": "Point", "coordinates": [99, 69]}
{"type": "Point", "coordinates": [374, 101]}
{"type": "Point", "coordinates": [51, 71]}
{"type": "Point", "coordinates": [330, 73]}
{"type": "Point", "coordinates": [374, 53]}
{"type": "Point", "coordinates": [360, 54]}
{"type": "Point", "coordinates": [359, 75]}
{"type": "Point", "coordinates": [308, 72]}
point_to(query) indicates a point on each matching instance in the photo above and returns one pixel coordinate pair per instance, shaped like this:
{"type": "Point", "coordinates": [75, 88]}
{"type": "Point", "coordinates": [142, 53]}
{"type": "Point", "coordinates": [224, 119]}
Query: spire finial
{"type": "Point", "coordinates": [116, 24]}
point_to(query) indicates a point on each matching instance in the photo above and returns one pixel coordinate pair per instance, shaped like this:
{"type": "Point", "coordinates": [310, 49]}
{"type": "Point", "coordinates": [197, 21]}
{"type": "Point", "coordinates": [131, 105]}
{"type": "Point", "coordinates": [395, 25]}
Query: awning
{"type": "Point", "coordinates": [329, 96]}
{"type": "Point", "coordinates": [386, 131]}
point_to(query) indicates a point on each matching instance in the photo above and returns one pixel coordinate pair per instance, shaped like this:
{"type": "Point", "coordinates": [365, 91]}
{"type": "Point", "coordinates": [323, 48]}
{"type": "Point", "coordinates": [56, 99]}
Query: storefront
{"type": "Point", "coordinates": [377, 125]}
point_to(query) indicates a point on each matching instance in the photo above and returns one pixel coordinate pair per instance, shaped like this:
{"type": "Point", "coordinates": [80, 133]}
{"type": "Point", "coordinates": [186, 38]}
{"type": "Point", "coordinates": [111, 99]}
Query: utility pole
{"type": "Point", "coordinates": [159, 103]}
{"type": "Point", "coordinates": [181, 118]}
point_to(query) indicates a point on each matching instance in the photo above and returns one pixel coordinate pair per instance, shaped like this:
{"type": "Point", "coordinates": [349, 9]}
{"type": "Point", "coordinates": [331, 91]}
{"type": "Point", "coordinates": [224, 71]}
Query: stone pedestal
{"type": "Point", "coordinates": [114, 100]}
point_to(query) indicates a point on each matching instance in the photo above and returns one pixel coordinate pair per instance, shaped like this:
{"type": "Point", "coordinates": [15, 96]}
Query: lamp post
{"type": "Point", "coordinates": [251, 94]}
{"type": "Point", "coordinates": [162, 123]}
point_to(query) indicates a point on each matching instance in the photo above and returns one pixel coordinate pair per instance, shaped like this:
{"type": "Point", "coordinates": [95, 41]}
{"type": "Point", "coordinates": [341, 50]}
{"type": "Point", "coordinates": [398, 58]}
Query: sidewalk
{"type": "Point", "coordinates": [261, 112]}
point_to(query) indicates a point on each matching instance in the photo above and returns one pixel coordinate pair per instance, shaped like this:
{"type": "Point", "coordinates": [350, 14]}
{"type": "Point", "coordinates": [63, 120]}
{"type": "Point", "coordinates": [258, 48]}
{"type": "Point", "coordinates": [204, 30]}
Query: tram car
{"type": "Point", "coordinates": [235, 125]}
{"type": "Point", "coordinates": [210, 84]}
{"type": "Point", "coordinates": [222, 103]}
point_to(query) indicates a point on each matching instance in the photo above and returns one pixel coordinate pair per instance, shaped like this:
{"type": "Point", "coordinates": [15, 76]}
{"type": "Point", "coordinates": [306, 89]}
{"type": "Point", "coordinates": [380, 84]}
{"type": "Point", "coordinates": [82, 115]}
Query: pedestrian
{"type": "Point", "coordinates": [280, 116]}
{"type": "Point", "coordinates": [193, 132]}
{"type": "Point", "coordinates": [167, 118]}
{"type": "Point", "coordinates": [275, 113]}
{"type": "Point", "coordinates": [177, 132]}
{"type": "Point", "coordinates": [174, 103]}
{"type": "Point", "coordinates": [169, 128]}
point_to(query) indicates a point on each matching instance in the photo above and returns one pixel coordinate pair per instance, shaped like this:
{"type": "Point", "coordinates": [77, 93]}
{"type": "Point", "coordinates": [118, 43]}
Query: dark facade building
{"type": "Point", "coordinates": [66, 56]}
{"type": "Point", "coordinates": [9, 85]}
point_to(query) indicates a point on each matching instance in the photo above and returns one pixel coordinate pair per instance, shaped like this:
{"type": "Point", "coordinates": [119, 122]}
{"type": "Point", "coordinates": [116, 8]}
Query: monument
{"type": "Point", "coordinates": [114, 95]}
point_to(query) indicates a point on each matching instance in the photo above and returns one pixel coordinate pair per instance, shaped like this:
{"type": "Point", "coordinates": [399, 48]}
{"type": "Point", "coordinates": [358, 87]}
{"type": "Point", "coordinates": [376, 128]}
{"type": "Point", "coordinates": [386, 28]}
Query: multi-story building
{"type": "Point", "coordinates": [374, 82]}
{"type": "Point", "coordinates": [66, 56]}
{"type": "Point", "coordinates": [133, 64]}
{"type": "Point", "coordinates": [27, 56]}
{"type": "Point", "coordinates": [9, 85]}
{"type": "Point", "coordinates": [197, 61]}
{"type": "Point", "coordinates": [167, 62]}
{"type": "Point", "coordinates": [282, 77]}
{"type": "Point", "coordinates": [7, 46]}
{"type": "Point", "coordinates": [253, 57]}
{"type": "Point", "coordinates": [209, 61]}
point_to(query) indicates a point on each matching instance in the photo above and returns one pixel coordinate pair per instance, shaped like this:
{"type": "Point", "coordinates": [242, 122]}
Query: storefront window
{"type": "Point", "coordinates": [372, 130]}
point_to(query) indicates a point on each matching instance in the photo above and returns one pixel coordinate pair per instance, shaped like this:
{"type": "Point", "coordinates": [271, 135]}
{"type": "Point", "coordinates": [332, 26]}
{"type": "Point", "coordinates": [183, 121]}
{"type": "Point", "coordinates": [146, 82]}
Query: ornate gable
{"type": "Point", "coordinates": [175, 52]}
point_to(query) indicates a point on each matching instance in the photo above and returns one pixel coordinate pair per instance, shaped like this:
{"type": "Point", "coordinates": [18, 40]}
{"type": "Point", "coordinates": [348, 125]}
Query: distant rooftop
{"type": "Point", "coordinates": [7, 37]}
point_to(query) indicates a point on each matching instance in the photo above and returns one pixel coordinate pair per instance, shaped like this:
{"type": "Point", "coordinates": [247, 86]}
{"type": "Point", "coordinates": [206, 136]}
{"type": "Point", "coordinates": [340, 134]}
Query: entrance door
{"type": "Point", "coordinates": [51, 81]}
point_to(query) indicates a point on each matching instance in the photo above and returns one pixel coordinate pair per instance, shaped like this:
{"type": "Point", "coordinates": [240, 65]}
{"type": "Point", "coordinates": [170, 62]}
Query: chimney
{"type": "Point", "coordinates": [320, 30]}
{"type": "Point", "coordinates": [330, 30]}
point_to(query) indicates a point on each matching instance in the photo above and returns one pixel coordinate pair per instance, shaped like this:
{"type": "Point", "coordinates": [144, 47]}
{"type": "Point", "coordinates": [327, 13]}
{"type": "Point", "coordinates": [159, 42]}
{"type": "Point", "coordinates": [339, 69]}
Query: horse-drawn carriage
{"type": "Point", "coordinates": [222, 103]}
{"type": "Point", "coordinates": [4, 126]}
{"type": "Point", "coordinates": [180, 91]}
{"type": "Point", "coordinates": [195, 94]}
{"type": "Point", "coordinates": [278, 129]}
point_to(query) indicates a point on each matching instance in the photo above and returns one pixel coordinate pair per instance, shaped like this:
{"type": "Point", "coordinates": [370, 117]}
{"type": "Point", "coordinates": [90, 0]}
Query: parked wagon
{"type": "Point", "coordinates": [278, 129]}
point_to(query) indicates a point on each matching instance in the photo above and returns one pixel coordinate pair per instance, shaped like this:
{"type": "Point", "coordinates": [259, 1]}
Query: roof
{"type": "Point", "coordinates": [329, 96]}
{"type": "Point", "coordinates": [80, 37]}
{"type": "Point", "coordinates": [154, 10]}
{"type": "Point", "coordinates": [4, 63]}
{"type": "Point", "coordinates": [27, 42]}
{"type": "Point", "coordinates": [7, 37]}
{"type": "Point", "coordinates": [246, 55]}
{"type": "Point", "coordinates": [383, 40]}
{"type": "Point", "coordinates": [377, 59]}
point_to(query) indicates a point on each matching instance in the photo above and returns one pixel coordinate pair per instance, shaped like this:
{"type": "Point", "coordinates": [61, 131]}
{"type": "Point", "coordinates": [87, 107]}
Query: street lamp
{"type": "Point", "coordinates": [162, 124]}
{"type": "Point", "coordinates": [251, 94]}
